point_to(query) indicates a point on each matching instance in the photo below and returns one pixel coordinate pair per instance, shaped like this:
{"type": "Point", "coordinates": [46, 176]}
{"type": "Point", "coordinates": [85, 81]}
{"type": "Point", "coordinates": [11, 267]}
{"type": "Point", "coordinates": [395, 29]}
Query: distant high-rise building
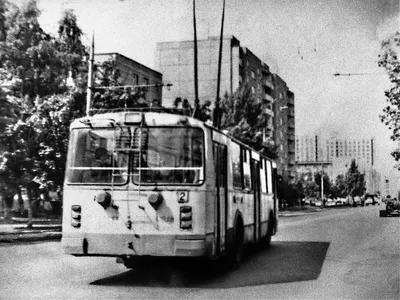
{"type": "Point", "coordinates": [239, 66]}
{"type": "Point", "coordinates": [335, 155]}
{"type": "Point", "coordinates": [316, 148]}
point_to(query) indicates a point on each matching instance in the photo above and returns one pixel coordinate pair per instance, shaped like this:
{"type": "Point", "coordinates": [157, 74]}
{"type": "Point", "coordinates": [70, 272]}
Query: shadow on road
{"type": "Point", "coordinates": [282, 262]}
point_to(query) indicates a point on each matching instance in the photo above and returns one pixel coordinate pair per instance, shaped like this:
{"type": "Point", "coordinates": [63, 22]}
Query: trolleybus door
{"type": "Point", "coordinates": [255, 165]}
{"type": "Point", "coordinates": [220, 163]}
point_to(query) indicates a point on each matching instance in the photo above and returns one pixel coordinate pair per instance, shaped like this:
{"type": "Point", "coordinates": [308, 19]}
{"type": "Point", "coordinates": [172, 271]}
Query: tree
{"type": "Point", "coordinates": [338, 189]}
{"type": "Point", "coordinates": [311, 189]}
{"type": "Point", "coordinates": [389, 60]}
{"type": "Point", "coordinates": [326, 182]}
{"type": "Point", "coordinates": [244, 118]}
{"type": "Point", "coordinates": [35, 67]}
{"type": "Point", "coordinates": [355, 181]}
{"type": "Point", "coordinates": [71, 49]}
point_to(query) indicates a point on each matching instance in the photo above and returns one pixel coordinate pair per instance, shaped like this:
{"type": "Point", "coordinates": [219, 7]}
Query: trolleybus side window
{"type": "Point", "coordinates": [269, 177]}
{"type": "Point", "coordinates": [92, 158]}
{"type": "Point", "coordinates": [263, 176]}
{"type": "Point", "coordinates": [236, 166]}
{"type": "Point", "coordinates": [246, 169]}
{"type": "Point", "coordinates": [169, 155]}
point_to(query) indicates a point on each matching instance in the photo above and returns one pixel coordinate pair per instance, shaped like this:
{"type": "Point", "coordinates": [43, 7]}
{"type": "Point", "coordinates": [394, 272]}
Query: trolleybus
{"type": "Point", "coordinates": [142, 184]}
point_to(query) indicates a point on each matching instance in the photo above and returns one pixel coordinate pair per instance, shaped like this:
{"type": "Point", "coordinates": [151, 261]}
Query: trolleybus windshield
{"type": "Point", "coordinates": [158, 155]}
{"type": "Point", "coordinates": [169, 155]}
{"type": "Point", "coordinates": [94, 157]}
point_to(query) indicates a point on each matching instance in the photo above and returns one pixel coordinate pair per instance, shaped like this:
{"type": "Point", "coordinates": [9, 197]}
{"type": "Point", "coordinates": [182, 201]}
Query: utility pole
{"type": "Point", "coordinates": [90, 77]}
{"type": "Point", "coordinates": [322, 182]}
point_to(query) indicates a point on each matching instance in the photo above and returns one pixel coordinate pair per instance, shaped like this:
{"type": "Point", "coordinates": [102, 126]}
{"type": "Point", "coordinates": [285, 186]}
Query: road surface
{"type": "Point", "coordinates": [334, 254]}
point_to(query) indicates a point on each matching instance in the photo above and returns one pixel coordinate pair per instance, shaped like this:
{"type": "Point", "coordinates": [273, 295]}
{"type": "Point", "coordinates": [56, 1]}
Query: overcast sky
{"type": "Point", "coordinates": [304, 41]}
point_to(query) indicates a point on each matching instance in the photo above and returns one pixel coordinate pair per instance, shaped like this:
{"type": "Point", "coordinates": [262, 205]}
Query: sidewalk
{"type": "Point", "coordinates": [298, 211]}
{"type": "Point", "coordinates": [15, 230]}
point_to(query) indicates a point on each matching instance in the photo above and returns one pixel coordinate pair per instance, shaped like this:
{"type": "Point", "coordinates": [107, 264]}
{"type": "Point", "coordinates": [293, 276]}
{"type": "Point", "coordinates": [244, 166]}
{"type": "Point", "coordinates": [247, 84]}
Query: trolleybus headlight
{"type": "Point", "coordinates": [76, 216]}
{"type": "Point", "coordinates": [156, 200]}
{"type": "Point", "coordinates": [104, 199]}
{"type": "Point", "coordinates": [186, 217]}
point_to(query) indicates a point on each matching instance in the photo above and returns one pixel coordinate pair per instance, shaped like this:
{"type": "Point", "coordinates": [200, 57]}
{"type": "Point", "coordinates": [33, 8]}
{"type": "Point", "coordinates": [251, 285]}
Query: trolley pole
{"type": "Point", "coordinates": [90, 77]}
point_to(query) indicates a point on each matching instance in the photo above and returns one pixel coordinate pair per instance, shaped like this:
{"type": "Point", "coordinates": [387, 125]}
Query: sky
{"type": "Point", "coordinates": [304, 41]}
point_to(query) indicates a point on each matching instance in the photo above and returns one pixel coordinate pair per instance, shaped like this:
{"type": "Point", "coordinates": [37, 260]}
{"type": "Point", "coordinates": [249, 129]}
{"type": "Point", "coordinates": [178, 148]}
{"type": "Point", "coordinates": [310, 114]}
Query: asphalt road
{"type": "Point", "coordinates": [334, 254]}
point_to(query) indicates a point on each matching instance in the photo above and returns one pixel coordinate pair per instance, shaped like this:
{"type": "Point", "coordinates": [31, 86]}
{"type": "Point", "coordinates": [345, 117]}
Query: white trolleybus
{"type": "Point", "coordinates": [153, 184]}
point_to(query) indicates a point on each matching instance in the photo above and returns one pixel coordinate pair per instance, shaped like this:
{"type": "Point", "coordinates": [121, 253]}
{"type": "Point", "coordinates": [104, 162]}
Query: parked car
{"type": "Point", "coordinates": [318, 202]}
{"type": "Point", "coordinates": [339, 202]}
{"type": "Point", "coordinates": [330, 202]}
{"type": "Point", "coordinates": [392, 208]}
{"type": "Point", "coordinates": [369, 199]}
{"type": "Point", "coordinates": [357, 200]}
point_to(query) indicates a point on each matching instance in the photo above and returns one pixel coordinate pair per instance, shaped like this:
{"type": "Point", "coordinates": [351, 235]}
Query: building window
{"type": "Point", "coordinates": [253, 75]}
{"type": "Point", "coordinates": [135, 79]}
{"type": "Point", "coordinates": [145, 81]}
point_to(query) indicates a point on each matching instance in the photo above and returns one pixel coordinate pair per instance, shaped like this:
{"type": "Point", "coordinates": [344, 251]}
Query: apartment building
{"type": "Point", "coordinates": [284, 127]}
{"type": "Point", "coordinates": [239, 65]}
{"type": "Point", "coordinates": [132, 72]}
{"type": "Point", "coordinates": [334, 154]}
{"type": "Point", "coordinates": [319, 148]}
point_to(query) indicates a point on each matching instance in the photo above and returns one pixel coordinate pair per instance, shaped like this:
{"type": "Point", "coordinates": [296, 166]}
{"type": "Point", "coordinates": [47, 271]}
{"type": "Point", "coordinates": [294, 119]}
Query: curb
{"type": "Point", "coordinates": [298, 213]}
{"type": "Point", "coordinates": [30, 237]}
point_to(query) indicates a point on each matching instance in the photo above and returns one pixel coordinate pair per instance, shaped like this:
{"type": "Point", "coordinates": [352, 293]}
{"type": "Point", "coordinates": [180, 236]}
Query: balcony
{"type": "Point", "coordinates": [291, 123]}
{"type": "Point", "coordinates": [269, 112]}
{"type": "Point", "coordinates": [268, 83]}
{"type": "Point", "coordinates": [268, 98]}
{"type": "Point", "coordinates": [290, 113]}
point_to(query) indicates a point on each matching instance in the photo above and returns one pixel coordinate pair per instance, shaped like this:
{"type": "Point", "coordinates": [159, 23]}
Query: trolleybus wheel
{"type": "Point", "coordinates": [266, 241]}
{"type": "Point", "coordinates": [235, 254]}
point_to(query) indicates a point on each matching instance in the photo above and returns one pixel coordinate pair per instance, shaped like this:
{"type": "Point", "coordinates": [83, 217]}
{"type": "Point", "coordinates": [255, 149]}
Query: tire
{"type": "Point", "coordinates": [266, 241]}
{"type": "Point", "coordinates": [236, 252]}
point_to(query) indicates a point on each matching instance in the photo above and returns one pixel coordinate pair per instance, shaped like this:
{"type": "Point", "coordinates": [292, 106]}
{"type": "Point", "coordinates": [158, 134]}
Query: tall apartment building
{"type": "Point", "coordinates": [238, 66]}
{"type": "Point", "coordinates": [328, 149]}
{"type": "Point", "coordinates": [134, 73]}
{"type": "Point", "coordinates": [284, 127]}
{"type": "Point", "coordinates": [334, 154]}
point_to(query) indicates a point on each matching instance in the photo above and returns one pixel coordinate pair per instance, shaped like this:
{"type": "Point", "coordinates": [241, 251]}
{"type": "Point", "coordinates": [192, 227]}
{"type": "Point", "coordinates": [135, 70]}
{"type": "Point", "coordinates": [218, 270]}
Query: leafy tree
{"type": "Point", "coordinates": [35, 67]}
{"type": "Point", "coordinates": [326, 182]}
{"type": "Point", "coordinates": [244, 118]}
{"type": "Point", "coordinates": [2, 20]}
{"type": "Point", "coordinates": [355, 181]}
{"type": "Point", "coordinates": [338, 189]}
{"type": "Point", "coordinates": [28, 54]}
{"type": "Point", "coordinates": [71, 50]}
{"type": "Point", "coordinates": [389, 60]}
{"type": "Point", "coordinates": [311, 189]}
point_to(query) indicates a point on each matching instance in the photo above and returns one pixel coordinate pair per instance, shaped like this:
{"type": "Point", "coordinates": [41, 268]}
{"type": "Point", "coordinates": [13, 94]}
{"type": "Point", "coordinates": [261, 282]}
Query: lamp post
{"type": "Point", "coordinates": [322, 183]}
